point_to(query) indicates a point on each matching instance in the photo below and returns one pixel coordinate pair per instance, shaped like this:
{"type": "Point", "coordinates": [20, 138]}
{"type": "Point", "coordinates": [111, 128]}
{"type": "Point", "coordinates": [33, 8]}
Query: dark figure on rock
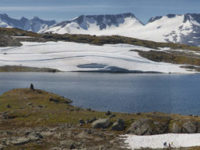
{"type": "Point", "coordinates": [32, 87]}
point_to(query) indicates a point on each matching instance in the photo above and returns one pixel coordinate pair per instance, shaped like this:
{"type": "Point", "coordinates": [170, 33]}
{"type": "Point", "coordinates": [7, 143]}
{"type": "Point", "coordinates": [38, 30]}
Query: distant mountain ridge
{"type": "Point", "coordinates": [86, 24]}
{"type": "Point", "coordinates": [101, 20]}
{"type": "Point", "coordinates": [170, 28]}
{"type": "Point", "coordinates": [36, 24]}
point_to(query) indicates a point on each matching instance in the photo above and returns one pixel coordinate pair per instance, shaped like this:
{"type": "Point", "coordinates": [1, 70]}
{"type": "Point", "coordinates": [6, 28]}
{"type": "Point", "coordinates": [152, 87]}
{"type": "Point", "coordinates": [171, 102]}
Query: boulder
{"type": "Point", "coordinates": [112, 116]}
{"type": "Point", "coordinates": [6, 40]}
{"type": "Point", "coordinates": [1, 147]}
{"type": "Point", "coordinates": [189, 127]}
{"type": "Point", "coordinates": [175, 128]}
{"type": "Point", "coordinates": [101, 123]}
{"type": "Point", "coordinates": [91, 120]}
{"type": "Point", "coordinates": [147, 126]}
{"type": "Point", "coordinates": [54, 100]}
{"type": "Point", "coordinates": [19, 140]}
{"type": "Point", "coordinates": [118, 125]}
{"type": "Point", "coordinates": [33, 136]}
{"type": "Point", "coordinates": [108, 113]}
{"type": "Point", "coordinates": [141, 127]}
{"type": "Point", "coordinates": [82, 122]}
{"type": "Point", "coordinates": [198, 127]}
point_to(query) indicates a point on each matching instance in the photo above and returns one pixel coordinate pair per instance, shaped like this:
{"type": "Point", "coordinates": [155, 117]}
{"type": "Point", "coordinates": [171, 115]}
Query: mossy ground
{"type": "Point", "coordinates": [188, 60]}
{"type": "Point", "coordinates": [25, 69]}
{"type": "Point", "coordinates": [33, 108]}
{"type": "Point", "coordinates": [30, 108]}
{"type": "Point", "coordinates": [26, 108]}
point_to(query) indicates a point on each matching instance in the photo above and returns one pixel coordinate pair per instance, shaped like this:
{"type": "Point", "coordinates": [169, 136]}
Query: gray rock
{"type": "Point", "coordinates": [8, 106]}
{"type": "Point", "coordinates": [89, 131]}
{"type": "Point", "coordinates": [190, 127]}
{"type": "Point", "coordinates": [56, 148]}
{"type": "Point", "coordinates": [8, 116]}
{"type": "Point", "coordinates": [118, 125]}
{"type": "Point", "coordinates": [34, 136]}
{"type": "Point", "coordinates": [46, 133]}
{"type": "Point", "coordinates": [82, 122]}
{"type": "Point", "coordinates": [101, 123]}
{"type": "Point", "coordinates": [6, 40]}
{"type": "Point", "coordinates": [18, 141]}
{"type": "Point", "coordinates": [141, 127]}
{"type": "Point", "coordinates": [112, 116]}
{"type": "Point", "coordinates": [82, 135]}
{"type": "Point", "coordinates": [72, 146]}
{"type": "Point", "coordinates": [108, 113]}
{"type": "Point", "coordinates": [198, 127]}
{"type": "Point", "coordinates": [175, 128]}
{"type": "Point", "coordinates": [66, 101]}
{"type": "Point", "coordinates": [54, 100]}
{"type": "Point", "coordinates": [92, 120]}
{"type": "Point", "coordinates": [1, 147]}
{"type": "Point", "coordinates": [29, 104]}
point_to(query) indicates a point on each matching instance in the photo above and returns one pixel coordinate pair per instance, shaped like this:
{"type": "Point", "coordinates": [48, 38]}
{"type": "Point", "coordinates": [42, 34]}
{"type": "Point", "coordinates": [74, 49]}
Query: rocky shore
{"type": "Point", "coordinates": [35, 119]}
{"type": "Point", "coordinates": [26, 69]}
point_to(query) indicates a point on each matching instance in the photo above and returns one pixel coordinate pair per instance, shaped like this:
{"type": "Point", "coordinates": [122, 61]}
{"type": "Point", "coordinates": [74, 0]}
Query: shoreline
{"type": "Point", "coordinates": [15, 68]}
{"type": "Point", "coordinates": [25, 69]}
{"type": "Point", "coordinates": [45, 114]}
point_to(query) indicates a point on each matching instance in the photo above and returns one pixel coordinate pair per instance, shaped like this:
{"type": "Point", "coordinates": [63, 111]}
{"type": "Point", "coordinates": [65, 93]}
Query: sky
{"type": "Point", "coordinates": [60, 10]}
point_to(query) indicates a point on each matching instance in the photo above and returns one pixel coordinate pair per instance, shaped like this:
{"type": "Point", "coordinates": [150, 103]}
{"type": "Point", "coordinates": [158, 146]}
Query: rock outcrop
{"type": "Point", "coordinates": [101, 123]}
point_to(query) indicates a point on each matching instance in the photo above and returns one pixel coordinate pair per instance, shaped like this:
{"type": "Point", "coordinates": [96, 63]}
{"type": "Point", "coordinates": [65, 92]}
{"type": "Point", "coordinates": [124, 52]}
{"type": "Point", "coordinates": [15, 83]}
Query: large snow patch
{"type": "Point", "coordinates": [162, 141]}
{"type": "Point", "coordinates": [68, 56]}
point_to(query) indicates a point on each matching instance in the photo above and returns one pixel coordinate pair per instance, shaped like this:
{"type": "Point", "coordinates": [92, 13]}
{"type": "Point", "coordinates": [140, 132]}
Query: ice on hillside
{"type": "Point", "coordinates": [67, 56]}
{"type": "Point", "coordinates": [162, 141]}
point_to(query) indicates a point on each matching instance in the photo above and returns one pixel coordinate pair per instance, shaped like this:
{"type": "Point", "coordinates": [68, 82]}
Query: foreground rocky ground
{"type": "Point", "coordinates": [61, 137]}
{"type": "Point", "coordinates": [35, 119]}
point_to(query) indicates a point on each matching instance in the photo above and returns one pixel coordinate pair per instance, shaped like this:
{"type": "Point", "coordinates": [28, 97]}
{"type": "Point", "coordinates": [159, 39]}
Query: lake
{"type": "Point", "coordinates": [116, 92]}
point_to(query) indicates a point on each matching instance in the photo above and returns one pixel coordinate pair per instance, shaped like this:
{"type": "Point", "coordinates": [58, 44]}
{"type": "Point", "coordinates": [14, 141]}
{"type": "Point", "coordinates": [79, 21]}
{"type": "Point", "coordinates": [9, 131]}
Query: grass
{"type": "Point", "coordinates": [17, 32]}
{"type": "Point", "coordinates": [172, 57]}
{"type": "Point", "coordinates": [41, 112]}
{"type": "Point", "coordinates": [100, 40]}
{"type": "Point", "coordinates": [32, 108]}
{"type": "Point", "coordinates": [25, 69]}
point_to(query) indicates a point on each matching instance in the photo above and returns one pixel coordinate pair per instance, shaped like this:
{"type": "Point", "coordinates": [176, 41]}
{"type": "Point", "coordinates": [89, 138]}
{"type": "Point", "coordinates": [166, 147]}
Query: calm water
{"type": "Point", "coordinates": [116, 92]}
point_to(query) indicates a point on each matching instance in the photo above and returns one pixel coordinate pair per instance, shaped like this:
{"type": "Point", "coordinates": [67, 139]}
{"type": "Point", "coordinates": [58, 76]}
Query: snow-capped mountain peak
{"type": "Point", "coordinates": [36, 24]}
{"type": "Point", "coordinates": [170, 28]}
{"type": "Point", "coordinates": [176, 28]}
{"type": "Point", "coordinates": [92, 23]}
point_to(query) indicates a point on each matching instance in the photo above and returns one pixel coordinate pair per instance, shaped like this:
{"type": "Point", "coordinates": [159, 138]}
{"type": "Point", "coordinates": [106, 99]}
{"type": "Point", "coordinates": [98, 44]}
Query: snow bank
{"type": "Point", "coordinates": [162, 141]}
{"type": "Point", "coordinates": [68, 56]}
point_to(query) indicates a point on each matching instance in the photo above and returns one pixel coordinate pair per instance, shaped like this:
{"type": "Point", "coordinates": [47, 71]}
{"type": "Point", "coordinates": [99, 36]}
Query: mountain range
{"type": "Point", "coordinates": [170, 28]}
{"type": "Point", "coordinates": [35, 24]}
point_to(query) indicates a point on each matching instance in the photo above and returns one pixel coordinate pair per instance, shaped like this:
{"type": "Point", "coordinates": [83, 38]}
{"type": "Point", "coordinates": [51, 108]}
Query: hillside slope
{"type": "Point", "coordinates": [97, 53]}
